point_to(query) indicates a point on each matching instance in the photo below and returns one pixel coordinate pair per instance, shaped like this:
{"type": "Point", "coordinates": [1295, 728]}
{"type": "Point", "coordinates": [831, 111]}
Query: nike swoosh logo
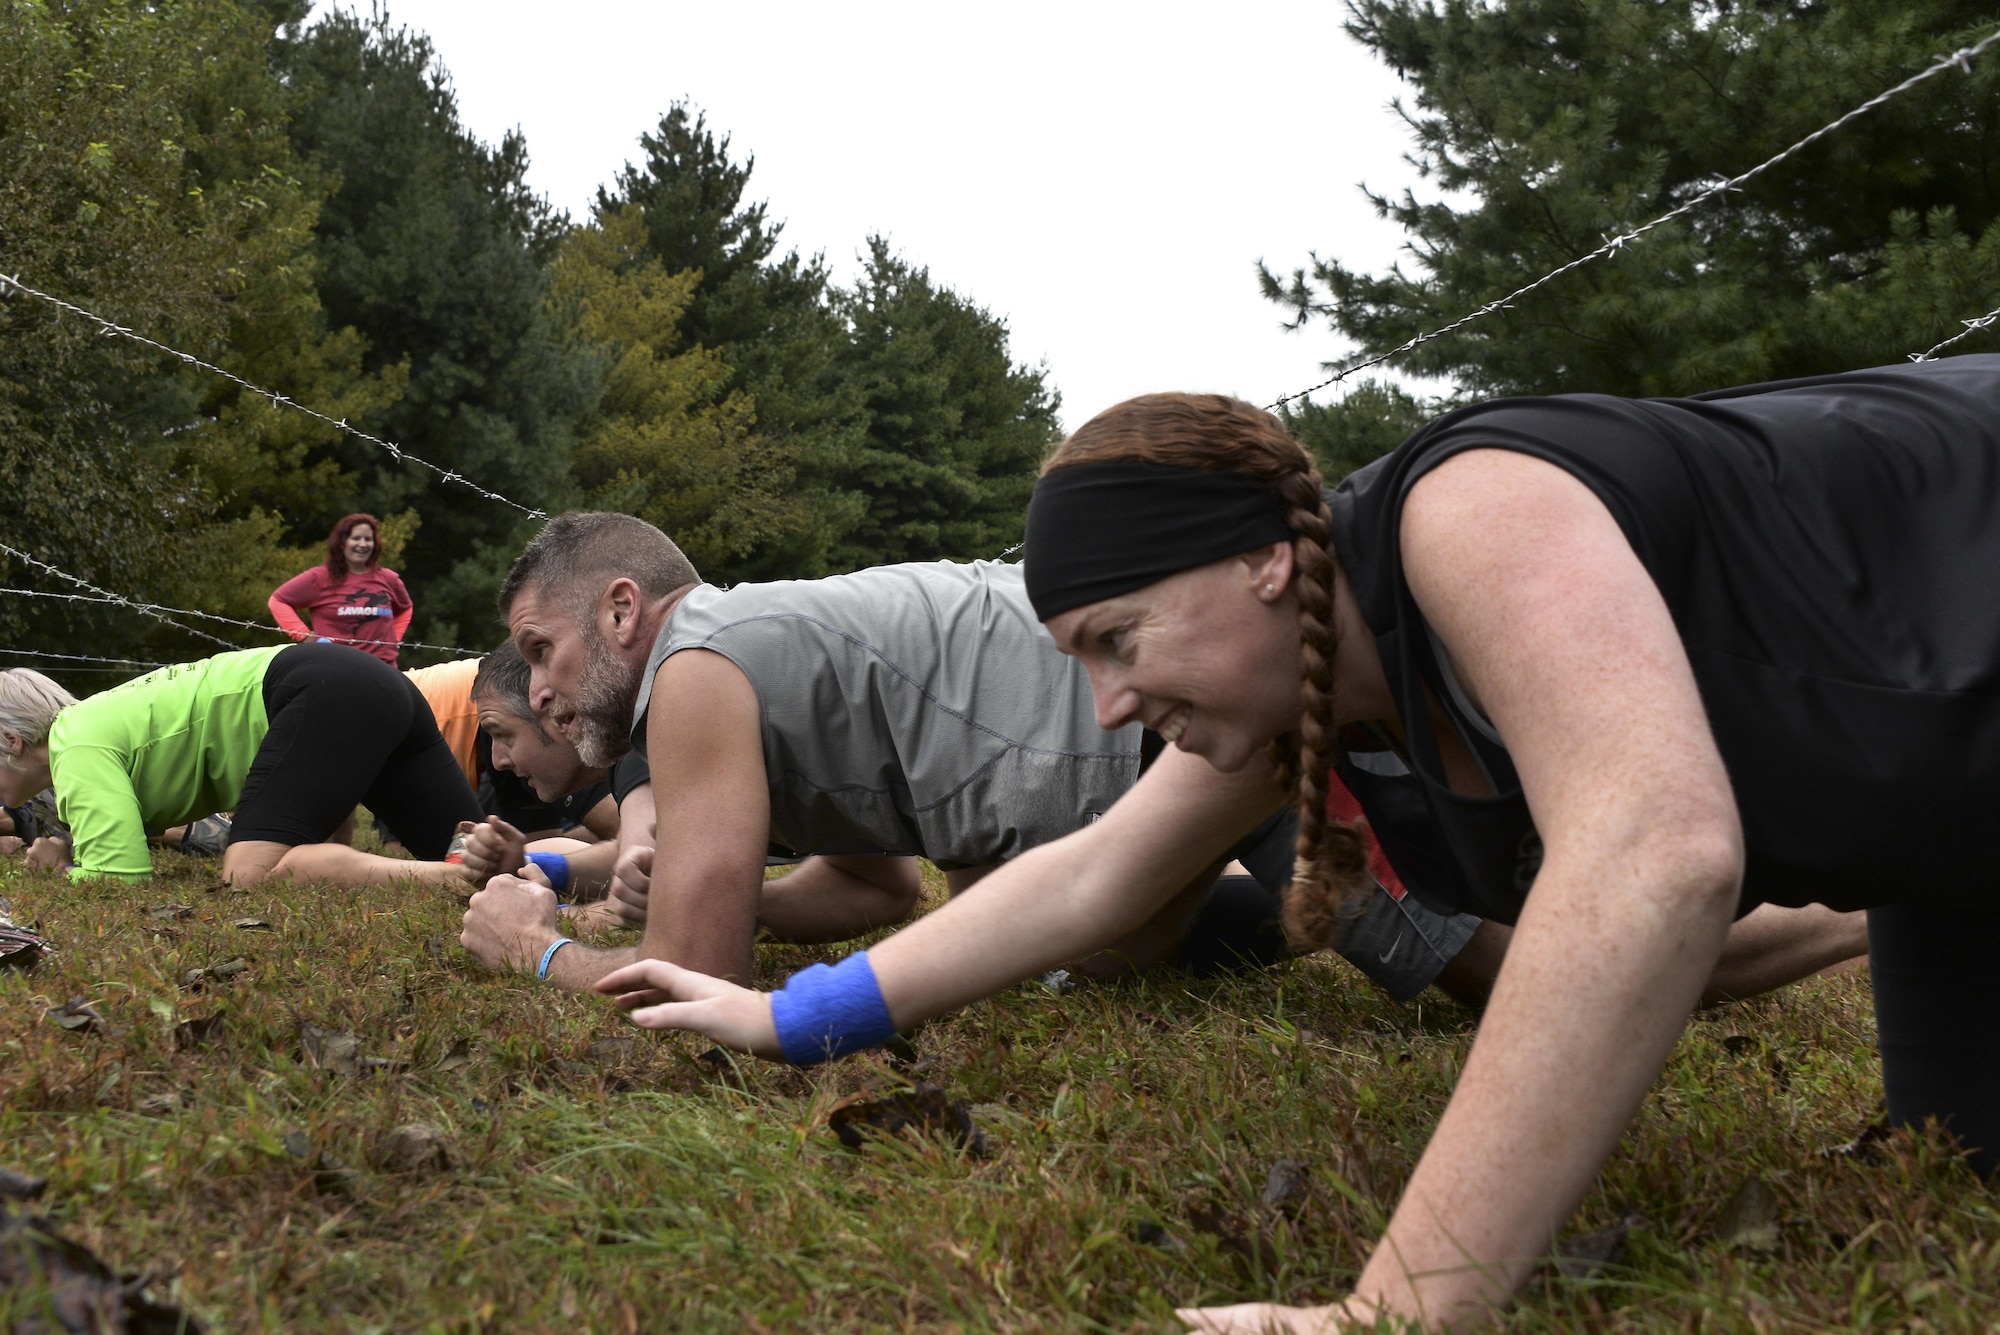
{"type": "Point", "coordinates": [1390, 953]}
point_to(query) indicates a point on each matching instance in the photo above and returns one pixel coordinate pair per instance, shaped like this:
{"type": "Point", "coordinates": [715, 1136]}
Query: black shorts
{"type": "Point", "coordinates": [348, 730]}
{"type": "Point", "coordinates": [1937, 1018]}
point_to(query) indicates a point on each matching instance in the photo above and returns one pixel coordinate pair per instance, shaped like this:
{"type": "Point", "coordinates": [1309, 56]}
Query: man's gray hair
{"type": "Point", "coordinates": [502, 681]}
{"type": "Point", "coordinates": [575, 555]}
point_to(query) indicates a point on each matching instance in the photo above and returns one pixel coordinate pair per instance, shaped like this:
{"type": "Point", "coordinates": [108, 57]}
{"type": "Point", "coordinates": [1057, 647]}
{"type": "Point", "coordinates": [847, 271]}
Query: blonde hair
{"type": "Point", "coordinates": [29, 703]}
{"type": "Point", "coordinates": [1218, 434]}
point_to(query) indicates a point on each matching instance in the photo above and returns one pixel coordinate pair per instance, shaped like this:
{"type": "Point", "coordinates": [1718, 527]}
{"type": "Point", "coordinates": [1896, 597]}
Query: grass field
{"type": "Point", "coordinates": [600, 1178]}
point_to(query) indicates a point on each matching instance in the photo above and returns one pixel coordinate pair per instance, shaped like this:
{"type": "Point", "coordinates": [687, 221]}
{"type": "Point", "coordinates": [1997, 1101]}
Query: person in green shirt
{"type": "Point", "coordinates": [291, 738]}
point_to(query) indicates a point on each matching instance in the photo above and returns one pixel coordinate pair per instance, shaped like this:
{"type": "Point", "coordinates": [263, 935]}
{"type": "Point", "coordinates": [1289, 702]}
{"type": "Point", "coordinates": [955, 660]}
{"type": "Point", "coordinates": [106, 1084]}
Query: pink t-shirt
{"type": "Point", "coordinates": [359, 609]}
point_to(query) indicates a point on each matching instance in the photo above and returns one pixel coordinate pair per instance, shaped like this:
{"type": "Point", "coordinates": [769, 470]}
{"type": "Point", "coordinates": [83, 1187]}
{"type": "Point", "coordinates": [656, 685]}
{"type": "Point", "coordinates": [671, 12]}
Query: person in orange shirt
{"type": "Point", "coordinates": [447, 687]}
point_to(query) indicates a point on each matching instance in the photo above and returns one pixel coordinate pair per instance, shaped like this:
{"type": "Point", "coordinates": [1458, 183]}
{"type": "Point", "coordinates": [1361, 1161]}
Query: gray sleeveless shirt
{"type": "Point", "coordinates": [915, 708]}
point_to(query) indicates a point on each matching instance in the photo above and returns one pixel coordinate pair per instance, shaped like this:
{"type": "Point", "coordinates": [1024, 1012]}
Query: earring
{"type": "Point", "coordinates": [1269, 587]}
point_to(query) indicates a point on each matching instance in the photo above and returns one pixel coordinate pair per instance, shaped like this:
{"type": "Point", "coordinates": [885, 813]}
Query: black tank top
{"type": "Point", "coordinates": [1830, 552]}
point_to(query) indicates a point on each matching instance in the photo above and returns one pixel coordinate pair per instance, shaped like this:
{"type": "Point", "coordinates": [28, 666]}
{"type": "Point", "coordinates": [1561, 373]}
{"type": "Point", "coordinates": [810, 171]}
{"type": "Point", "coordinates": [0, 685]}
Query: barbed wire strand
{"type": "Point", "coordinates": [1960, 59]}
{"type": "Point", "coordinates": [105, 597]}
{"type": "Point", "coordinates": [158, 614]}
{"type": "Point", "coordinates": [84, 658]}
{"type": "Point", "coordinates": [1971, 327]}
{"type": "Point", "coordinates": [111, 328]}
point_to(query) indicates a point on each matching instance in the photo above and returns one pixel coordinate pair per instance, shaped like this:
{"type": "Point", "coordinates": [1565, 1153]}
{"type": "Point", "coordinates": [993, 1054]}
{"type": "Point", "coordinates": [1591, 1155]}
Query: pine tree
{"type": "Point", "coordinates": [912, 433]}
{"type": "Point", "coordinates": [434, 249]}
{"type": "Point", "coordinates": [955, 429]}
{"type": "Point", "coordinates": [668, 440]}
{"type": "Point", "coordinates": [145, 173]}
{"type": "Point", "coordinates": [768, 312]}
{"type": "Point", "coordinates": [1546, 125]}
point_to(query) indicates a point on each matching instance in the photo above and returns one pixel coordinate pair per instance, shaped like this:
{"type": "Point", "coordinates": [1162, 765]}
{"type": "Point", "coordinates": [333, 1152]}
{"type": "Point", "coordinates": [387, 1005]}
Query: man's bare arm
{"type": "Point", "coordinates": [712, 822]}
{"type": "Point", "coordinates": [833, 898]}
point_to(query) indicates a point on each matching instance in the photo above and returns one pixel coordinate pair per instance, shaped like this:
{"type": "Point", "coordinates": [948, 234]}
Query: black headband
{"type": "Point", "coordinates": [1098, 530]}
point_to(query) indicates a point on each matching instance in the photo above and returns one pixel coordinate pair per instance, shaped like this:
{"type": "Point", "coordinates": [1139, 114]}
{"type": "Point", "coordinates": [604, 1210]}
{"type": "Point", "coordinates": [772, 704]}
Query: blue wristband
{"type": "Point", "coordinates": [554, 866]}
{"type": "Point", "coordinates": [822, 1013]}
{"type": "Point", "coordinates": [542, 969]}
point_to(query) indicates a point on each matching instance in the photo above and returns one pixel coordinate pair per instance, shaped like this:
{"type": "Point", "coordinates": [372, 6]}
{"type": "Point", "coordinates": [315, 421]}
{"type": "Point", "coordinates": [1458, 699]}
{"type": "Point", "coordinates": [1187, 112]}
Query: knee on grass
{"type": "Point", "coordinates": [254, 861]}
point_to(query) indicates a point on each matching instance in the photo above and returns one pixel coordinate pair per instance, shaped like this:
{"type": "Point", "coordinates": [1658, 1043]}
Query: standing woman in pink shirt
{"type": "Point", "coordinates": [351, 599]}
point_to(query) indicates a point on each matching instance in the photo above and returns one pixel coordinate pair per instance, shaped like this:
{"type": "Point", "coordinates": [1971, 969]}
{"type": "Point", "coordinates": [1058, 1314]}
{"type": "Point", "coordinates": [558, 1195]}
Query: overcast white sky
{"type": "Point", "coordinates": [1102, 176]}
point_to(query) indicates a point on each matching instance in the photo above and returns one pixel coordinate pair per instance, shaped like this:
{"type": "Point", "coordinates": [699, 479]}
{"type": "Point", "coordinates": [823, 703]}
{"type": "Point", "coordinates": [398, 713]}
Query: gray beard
{"type": "Point", "coordinates": [606, 693]}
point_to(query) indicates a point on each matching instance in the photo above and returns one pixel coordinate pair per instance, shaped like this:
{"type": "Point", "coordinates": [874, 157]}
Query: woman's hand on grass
{"type": "Point", "coordinates": [510, 923]}
{"type": "Point", "coordinates": [660, 995]}
{"type": "Point", "coordinates": [1277, 1319]}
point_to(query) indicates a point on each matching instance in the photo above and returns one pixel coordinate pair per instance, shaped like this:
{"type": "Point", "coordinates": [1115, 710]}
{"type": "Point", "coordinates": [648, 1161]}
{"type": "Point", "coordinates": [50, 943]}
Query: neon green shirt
{"type": "Point", "coordinates": [163, 749]}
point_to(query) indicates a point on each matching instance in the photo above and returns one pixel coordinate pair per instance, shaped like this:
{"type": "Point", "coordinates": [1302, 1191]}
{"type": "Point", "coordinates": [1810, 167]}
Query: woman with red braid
{"type": "Point", "coordinates": [1646, 665]}
{"type": "Point", "coordinates": [351, 599]}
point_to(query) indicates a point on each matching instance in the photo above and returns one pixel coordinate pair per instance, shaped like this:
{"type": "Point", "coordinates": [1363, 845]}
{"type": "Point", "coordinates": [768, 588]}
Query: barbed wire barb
{"type": "Point", "coordinates": [1960, 59]}
{"type": "Point", "coordinates": [110, 329]}
{"type": "Point", "coordinates": [1972, 327]}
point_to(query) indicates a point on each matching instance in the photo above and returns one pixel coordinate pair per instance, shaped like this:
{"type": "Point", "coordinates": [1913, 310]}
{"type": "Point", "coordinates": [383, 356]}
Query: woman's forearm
{"type": "Point", "coordinates": [1057, 903]}
{"type": "Point", "coordinates": [1065, 900]}
{"type": "Point", "coordinates": [288, 619]}
{"type": "Point", "coordinates": [1602, 972]}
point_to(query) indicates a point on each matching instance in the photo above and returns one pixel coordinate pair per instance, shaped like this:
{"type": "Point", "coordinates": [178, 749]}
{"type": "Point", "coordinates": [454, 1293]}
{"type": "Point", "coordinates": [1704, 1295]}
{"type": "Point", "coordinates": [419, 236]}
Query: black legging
{"type": "Point", "coordinates": [1937, 1017]}
{"type": "Point", "coordinates": [346, 730]}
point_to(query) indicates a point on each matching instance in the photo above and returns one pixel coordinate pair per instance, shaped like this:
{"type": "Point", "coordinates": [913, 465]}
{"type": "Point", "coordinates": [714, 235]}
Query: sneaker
{"type": "Point", "coordinates": [206, 838]}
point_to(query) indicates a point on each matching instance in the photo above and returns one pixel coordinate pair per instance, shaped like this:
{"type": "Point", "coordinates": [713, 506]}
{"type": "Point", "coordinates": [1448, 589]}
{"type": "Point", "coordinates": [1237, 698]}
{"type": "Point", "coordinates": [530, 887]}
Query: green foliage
{"type": "Point", "coordinates": [145, 174]}
{"type": "Point", "coordinates": [913, 433]}
{"type": "Point", "coordinates": [769, 314]}
{"type": "Point", "coordinates": [955, 430]}
{"type": "Point", "coordinates": [432, 247]}
{"type": "Point", "coordinates": [1358, 428]}
{"type": "Point", "coordinates": [1544, 126]}
{"type": "Point", "coordinates": [303, 207]}
{"type": "Point", "coordinates": [668, 440]}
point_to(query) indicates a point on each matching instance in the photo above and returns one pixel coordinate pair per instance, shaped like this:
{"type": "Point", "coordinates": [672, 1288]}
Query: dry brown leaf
{"type": "Point", "coordinates": [331, 1050]}
{"type": "Point", "coordinates": [1750, 1219]}
{"type": "Point", "coordinates": [84, 1294]}
{"type": "Point", "coordinates": [920, 1109]}
{"type": "Point", "coordinates": [78, 1015]}
{"type": "Point", "coordinates": [200, 1032]}
{"type": "Point", "coordinates": [1588, 1255]}
{"type": "Point", "coordinates": [20, 1187]}
{"type": "Point", "coordinates": [414, 1149]}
